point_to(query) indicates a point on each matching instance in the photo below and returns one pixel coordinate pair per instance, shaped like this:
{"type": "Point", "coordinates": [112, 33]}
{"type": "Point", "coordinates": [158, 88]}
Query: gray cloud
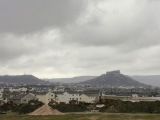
{"type": "Point", "coordinates": [25, 16]}
{"type": "Point", "coordinates": [62, 38]}
{"type": "Point", "coordinates": [118, 23]}
{"type": "Point", "coordinates": [14, 46]}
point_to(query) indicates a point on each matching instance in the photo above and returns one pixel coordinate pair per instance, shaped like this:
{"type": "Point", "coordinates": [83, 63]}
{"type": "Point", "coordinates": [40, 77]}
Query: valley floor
{"type": "Point", "coordinates": [87, 116]}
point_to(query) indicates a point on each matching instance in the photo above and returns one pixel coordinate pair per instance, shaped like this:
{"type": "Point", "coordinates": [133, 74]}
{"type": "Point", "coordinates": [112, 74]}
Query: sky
{"type": "Point", "coordinates": [67, 38]}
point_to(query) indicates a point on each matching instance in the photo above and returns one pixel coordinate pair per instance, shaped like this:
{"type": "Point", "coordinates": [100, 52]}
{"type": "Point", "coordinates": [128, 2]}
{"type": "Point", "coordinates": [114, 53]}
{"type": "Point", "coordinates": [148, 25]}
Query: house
{"type": "Point", "coordinates": [135, 95]}
{"type": "Point", "coordinates": [23, 89]}
{"type": "Point", "coordinates": [23, 98]}
{"type": "Point", "coordinates": [45, 97]}
{"type": "Point", "coordinates": [6, 89]}
{"type": "Point", "coordinates": [11, 94]}
{"type": "Point", "coordinates": [1, 95]}
{"type": "Point", "coordinates": [67, 97]}
{"type": "Point", "coordinates": [1, 89]}
{"type": "Point", "coordinates": [6, 96]}
{"type": "Point", "coordinates": [17, 89]}
{"type": "Point", "coordinates": [1, 98]}
{"type": "Point", "coordinates": [70, 96]}
{"type": "Point", "coordinates": [87, 98]}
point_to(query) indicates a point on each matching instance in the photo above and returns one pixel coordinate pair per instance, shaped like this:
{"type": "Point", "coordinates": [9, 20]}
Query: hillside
{"type": "Point", "coordinates": [114, 78]}
{"type": "Point", "coordinates": [153, 80]}
{"type": "Point", "coordinates": [21, 79]}
{"type": "Point", "coordinates": [71, 80]}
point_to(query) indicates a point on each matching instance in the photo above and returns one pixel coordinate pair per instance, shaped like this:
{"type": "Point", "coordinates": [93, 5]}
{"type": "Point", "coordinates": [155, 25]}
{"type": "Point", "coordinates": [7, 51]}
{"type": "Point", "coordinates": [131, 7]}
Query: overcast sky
{"type": "Point", "coordinates": [67, 38]}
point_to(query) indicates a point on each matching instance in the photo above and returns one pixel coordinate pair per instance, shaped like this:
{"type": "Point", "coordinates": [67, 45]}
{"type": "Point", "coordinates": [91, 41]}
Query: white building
{"type": "Point", "coordinates": [87, 98]}
{"type": "Point", "coordinates": [17, 89]}
{"type": "Point", "coordinates": [14, 89]}
{"type": "Point", "coordinates": [67, 97]}
{"type": "Point", "coordinates": [45, 97]}
{"type": "Point", "coordinates": [1, 89]}
{"type": "Point", "coordinates": [1, 98]}
{"type": "Point", "coordinates": [1, 95]}
{"type": "Point", "coordinates": [23, 89]}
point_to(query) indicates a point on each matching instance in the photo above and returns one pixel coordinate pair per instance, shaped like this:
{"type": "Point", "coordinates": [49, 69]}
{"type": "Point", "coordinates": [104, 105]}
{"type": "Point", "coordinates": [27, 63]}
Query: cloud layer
{"type": "Point", "coordinates": [68, 38]}
{"type": "Point", "coordinates": [22, 16]}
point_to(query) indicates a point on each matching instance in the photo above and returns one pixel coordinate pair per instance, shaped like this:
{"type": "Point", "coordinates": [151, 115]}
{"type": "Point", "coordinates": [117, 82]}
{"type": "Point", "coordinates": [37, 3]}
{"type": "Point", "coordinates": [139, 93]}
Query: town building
{"type": "Point", "coordinates": [1, 95]}
{"type": "Point", "coordinates": [45, 97]}
{"type": "Point", "coordinates": [87, 98]}
{"type": "Point", "coordinates": [23, 98]}
{"type": "Point", "coordinates": [68, 97]}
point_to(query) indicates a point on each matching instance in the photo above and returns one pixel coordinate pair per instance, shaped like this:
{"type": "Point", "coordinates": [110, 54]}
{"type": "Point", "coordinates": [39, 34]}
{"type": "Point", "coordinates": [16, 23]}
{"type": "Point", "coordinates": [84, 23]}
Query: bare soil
{"type": "Point", "coordinates": [45, 110]}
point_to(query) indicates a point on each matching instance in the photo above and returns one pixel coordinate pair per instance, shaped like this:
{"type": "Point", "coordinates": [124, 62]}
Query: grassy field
{"type": "Point", "coordinates": [98, 116]}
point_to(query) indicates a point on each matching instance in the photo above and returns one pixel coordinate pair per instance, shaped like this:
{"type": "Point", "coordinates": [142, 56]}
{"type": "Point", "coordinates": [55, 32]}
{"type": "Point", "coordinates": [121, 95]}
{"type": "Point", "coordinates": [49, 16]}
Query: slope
{"type": "Point", "coordinates": [21, 79]}
{"type": "Point", "coordinates": [115, 79]}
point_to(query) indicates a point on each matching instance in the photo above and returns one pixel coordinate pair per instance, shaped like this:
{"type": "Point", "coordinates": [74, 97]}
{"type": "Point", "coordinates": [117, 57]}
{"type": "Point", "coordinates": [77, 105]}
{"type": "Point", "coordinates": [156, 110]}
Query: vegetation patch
{"type": "Point", "coordinates": [27, 108]}
{"type": "Point", "coordinates": [117, 106]}
{"type": "Point", "coordinates": [70, 107]}
{"type": "Point", "coordinates": [100, 116]}
{"type": "Point", "coordinates": [22, 108]}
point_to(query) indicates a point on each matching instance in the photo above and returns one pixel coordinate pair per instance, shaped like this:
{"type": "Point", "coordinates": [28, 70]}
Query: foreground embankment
{"type": "Point", "coordinates": [86, 116]}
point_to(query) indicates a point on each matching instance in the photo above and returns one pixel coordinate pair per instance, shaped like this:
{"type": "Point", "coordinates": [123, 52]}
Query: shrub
{"type": "Point", "coordinates": [28, 108]}
{"type": "Point", "coordinates": [131, 107]}
{"type": "Point", "coordinates": [70, 107]}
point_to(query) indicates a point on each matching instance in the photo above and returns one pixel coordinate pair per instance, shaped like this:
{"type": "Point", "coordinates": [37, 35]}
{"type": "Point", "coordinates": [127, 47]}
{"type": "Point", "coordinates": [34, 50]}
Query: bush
{"type": "Point", "coordinates": [7, 106]}
{"type": "Point", "coordinates": [131, 107]}
{"type": "Point", "coordinates": [28, 108]}
{"type": "Point", "coordinates": [70, 107]}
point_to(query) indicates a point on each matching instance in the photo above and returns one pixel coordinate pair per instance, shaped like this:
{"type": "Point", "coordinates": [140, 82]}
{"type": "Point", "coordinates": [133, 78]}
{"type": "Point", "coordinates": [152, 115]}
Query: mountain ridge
{"type": "Point", "coordinates": [21, 79]}
{"type": "Point", "coordinates": [153, 80]}
{"type": "Point", "coordinates": [76, 79]}
{"type": "Point", "coordinates": [114, 78]}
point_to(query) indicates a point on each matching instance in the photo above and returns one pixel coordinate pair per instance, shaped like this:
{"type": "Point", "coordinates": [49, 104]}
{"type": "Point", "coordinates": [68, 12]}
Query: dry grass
{"type": "Point", "coordinates": [98, 116]}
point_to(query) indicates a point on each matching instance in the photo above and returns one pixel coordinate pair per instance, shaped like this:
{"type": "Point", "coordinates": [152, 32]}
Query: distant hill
{"type": "Point", "coordinates": [153, 80]}
{"type": "Point", "coordinates": [71, 80]}
{"type": "Point", "coordinates": [114, 78]}
{"type": "Point", "coordinates": [21, 79]}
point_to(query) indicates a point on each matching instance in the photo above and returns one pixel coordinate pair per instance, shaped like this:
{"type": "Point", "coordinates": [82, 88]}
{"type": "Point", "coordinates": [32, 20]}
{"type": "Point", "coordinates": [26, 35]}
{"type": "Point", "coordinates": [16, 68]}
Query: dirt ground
{"type": "Point", "coordinates": [45, 110]}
